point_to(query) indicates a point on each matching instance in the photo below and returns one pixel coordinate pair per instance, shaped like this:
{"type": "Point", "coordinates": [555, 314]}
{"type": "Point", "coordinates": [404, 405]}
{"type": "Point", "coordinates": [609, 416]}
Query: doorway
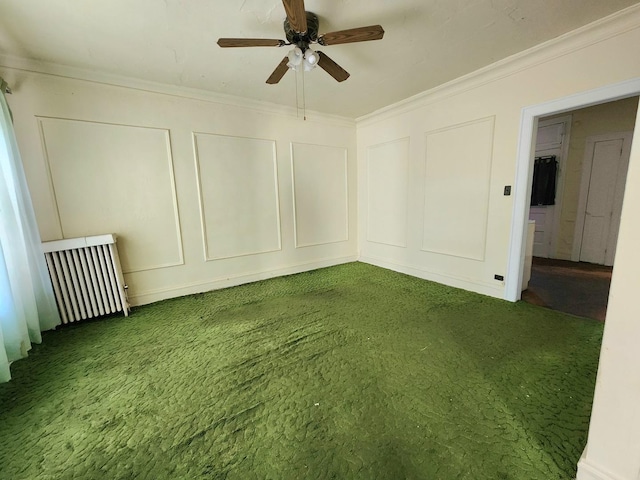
{"type": "Point", "coordinates": [524, 171]}
{"type": "Point", "coordinates": [573, 256]}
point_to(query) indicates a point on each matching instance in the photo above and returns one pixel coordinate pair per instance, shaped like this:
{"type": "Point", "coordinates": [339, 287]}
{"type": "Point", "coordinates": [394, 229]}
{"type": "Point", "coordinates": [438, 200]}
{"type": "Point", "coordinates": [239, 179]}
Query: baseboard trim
{"type": "Point", "coordinates": [589, 471]}
{"type": "Point", "coordinates": [151, 296]}
{"type": "Point", "coordinates": [450, 280]}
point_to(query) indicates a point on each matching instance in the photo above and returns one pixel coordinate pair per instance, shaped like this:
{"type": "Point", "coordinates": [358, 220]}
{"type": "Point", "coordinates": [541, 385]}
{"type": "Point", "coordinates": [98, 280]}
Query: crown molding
{"type": "Point", "coordinates": [603, 29]}
{"type": "Point", "coordinates": [86, 75]}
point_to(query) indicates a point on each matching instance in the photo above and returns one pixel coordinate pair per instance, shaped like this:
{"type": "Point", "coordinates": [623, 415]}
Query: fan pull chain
{"type": "Point", "coordinates": [304, 100]}
{"type": "Point", "coordinates": [300, 80]}
{"type": "Point", "coordinates": [297, 96]}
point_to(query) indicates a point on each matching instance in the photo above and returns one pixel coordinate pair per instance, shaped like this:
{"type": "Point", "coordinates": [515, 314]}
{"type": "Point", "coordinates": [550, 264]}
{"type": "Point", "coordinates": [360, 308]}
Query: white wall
{"type": "Point", "coordinates": [201, 194]}
{"type": "Point", "coordinates": [613, 451]}
{"type": "Point", "coordinates": [459, 148]}
{"type": "Point", "coordinates": [436, 169]}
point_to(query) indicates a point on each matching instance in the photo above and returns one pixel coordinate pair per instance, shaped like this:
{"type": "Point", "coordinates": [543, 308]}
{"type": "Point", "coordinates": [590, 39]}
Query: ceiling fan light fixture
{"type": "Point", "coordinates": [295, 58]}
{"type": "Point", "coordinates": [311, 59]}
{"type": "Point", "coordinates": [311, 56]}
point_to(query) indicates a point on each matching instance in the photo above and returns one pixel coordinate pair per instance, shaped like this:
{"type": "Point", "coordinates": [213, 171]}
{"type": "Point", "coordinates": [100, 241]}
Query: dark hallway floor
{"type": "Point", "coordinates": [571, 287]}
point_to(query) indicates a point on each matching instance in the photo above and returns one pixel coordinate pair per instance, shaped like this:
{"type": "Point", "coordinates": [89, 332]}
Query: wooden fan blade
{"type": "Point", "coordinates": [296, 15]}
{"type": "Point", "coordinates": [250, 42]}
{"type": "Point", "coordinates": [360, 34]}
{"type": "Point", "coordinates": [279, 72]}
{"type": "Point", "coordinates": [332, 68]}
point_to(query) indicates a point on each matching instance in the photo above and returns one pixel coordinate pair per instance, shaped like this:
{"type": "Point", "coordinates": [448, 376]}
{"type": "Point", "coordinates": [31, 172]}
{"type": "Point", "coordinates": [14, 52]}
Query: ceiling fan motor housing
{"type": "Point", "coordinates": [302, 40]}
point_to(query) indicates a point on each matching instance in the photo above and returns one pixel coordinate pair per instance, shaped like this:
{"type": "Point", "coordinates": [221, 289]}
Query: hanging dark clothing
{"type": "Point", "coordinates": [543, 191]}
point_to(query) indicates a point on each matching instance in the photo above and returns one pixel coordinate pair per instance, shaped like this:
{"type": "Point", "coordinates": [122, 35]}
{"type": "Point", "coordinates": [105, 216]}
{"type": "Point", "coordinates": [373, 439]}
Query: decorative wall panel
{"type": "Point", "coordinates": [387, 187]}
{"type": "Point", "coordinates": [110, 178]}
{"type": "Point", "coordinates": [456, 189]}
{"type": "Point", "coordinates": [238, 195]}
{"type": "Point", "coordinates": [320, 194]}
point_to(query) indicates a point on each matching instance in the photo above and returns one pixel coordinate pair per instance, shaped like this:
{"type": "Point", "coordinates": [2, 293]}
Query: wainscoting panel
{"type": "Point", "coordinates": [238, 188]}
{"type": "Point", "coordinates": [320, 194]}
{"type": "Point", "coordinates": [110, 178]}
{"type": "Point", "coordinates": [387, 187]}
{"type": "Point", "coordinates": [456, 189]}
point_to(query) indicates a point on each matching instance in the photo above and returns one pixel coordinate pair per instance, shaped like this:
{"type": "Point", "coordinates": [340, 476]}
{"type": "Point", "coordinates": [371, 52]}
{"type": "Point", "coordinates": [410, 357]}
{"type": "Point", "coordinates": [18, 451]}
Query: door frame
{"type": "Point", "coordinates": [524, 167]}
{"type": "Point", "coordinates": [584, 189]}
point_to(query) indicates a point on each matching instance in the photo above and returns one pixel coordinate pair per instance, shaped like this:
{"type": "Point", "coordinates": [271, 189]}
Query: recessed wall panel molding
{"type": "Point", "coordinates": [319, 194]}
{"type": "Point", "coordinates": [110, 178]}
{"type": "Point", "coordinates": [387, 187]}
{"type": "Point", "coordinates": [238, 185]}
{"type": "Point", "coordinates": [456, 189]}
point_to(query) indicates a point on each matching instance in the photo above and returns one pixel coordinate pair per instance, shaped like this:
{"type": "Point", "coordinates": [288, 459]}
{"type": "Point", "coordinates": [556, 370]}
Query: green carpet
{"type": "Point", "coordinates": [347, 372]}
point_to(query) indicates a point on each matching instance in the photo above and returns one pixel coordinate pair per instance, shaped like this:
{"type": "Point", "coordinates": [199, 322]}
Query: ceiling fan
{"type": "Point", "coordinates": [301, 30]}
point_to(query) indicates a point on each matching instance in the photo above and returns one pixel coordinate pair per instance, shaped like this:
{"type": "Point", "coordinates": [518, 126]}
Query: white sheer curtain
{"type": "Point", "coordinates": [27, 304]}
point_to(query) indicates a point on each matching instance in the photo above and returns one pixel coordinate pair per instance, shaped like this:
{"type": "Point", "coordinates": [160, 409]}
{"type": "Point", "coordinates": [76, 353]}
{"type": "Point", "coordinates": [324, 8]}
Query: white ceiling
{"type": "Point", "coordinates": [426, 43]}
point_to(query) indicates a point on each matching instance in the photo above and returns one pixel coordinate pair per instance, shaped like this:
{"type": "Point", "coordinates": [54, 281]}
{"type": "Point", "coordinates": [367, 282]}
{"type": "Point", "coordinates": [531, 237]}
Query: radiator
{"type": "Point", "coordinates": [86, 276]}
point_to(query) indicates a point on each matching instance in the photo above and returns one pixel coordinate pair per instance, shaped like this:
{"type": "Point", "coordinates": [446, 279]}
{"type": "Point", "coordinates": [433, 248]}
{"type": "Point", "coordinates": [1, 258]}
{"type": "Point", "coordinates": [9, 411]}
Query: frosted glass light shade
{"type": "Point", "coordinates": [311, 58]}
{"type": "Point", "coordinates": [295, 58]}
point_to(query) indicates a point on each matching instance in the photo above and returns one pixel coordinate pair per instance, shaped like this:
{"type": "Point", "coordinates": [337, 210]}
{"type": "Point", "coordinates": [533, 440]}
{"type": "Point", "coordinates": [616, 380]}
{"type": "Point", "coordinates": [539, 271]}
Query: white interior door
{"type": "Point", "coordinates": [551, 139]}
{"type": "Point", "coordinates": [543, 234]}
{"type": "Point", "coordinates": [603, 178]}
